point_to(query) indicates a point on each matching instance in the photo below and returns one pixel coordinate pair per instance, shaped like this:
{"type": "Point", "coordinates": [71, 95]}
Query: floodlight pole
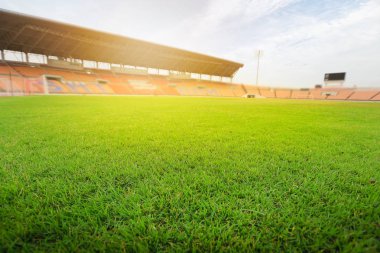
{"type": "Point", "coordinates": [258, 67]}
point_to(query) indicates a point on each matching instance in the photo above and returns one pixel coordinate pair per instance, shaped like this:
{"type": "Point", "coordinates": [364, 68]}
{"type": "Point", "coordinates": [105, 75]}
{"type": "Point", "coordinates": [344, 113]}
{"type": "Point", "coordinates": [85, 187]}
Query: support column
{"type": "Point", "coordinates": [10, 83]}
{"type": "Point", "coordinates": [2, 55]}
{"type": "Point", "coordinates": [46, 85]}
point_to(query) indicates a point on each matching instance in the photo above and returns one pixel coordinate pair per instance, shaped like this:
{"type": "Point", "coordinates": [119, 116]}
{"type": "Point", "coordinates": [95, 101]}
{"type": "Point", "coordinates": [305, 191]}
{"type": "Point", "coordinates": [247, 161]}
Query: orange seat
{"type": "Point", "coordinates": [300, 94]}
{"type": "Point", "coordinates": [364, 95]}
{"type": "Point", "coordinates": [283, 93]}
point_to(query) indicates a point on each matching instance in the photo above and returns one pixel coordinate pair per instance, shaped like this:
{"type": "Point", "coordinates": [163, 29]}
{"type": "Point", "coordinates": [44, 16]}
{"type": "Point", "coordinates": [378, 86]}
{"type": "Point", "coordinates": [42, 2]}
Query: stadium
{"type": "Point", "coordinates": [109, 143]}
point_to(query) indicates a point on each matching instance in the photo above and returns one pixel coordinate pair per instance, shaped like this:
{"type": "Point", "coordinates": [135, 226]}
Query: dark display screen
{"type": "Point", "coordinates": [335, 76]}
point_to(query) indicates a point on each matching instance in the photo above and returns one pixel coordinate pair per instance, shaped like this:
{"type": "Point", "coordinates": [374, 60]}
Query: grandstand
{"type": "Point", "coordinates": [72, 60]}
{"type": "Point", "coordinates": [18, 78]}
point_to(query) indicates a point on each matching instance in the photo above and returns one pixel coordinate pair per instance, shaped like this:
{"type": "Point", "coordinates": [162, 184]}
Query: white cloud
{"type": "Point", "coordinates": [218, 16]}
{"type": "Point", "coordinates": [301, 52]}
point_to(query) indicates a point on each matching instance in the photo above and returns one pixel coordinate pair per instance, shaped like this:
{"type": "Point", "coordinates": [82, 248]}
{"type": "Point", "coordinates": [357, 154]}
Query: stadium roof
{"type": "Point", "coordinates": [19, 32]}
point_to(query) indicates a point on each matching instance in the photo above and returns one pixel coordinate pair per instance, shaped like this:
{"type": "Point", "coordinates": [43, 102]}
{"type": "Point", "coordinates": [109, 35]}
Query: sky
{"type": "Point", "coordinates": [300, 39]}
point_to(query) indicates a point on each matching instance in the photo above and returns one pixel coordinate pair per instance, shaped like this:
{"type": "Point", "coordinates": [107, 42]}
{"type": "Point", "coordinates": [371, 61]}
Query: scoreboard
{"type": "Point", "coordinates": [335, 76]}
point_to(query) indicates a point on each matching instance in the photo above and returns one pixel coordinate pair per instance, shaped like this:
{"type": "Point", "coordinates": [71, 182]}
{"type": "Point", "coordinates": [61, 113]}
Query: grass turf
{"type": "Point", "coordinates": [198, 174]}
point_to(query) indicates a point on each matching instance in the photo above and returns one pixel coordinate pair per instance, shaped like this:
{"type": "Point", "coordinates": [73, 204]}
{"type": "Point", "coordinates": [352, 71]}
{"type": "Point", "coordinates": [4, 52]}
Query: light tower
{"type": "Point", "coordinates": [259, 54]}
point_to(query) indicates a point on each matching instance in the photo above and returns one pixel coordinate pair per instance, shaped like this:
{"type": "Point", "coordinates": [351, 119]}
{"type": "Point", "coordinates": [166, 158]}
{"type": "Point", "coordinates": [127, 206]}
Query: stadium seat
{"type": "Point", "coordinates": [30, 71]}
{"type": "Point", "coordinates": [364, 95]}
{"type": "Point", "coordinates": [339, 93]}
{"type": "Point", "coordinates": [57, 87]}
{"type": "Point", "coordinates": [5, 70]}
{"type": "Point", "coordinates": [252, 90]}
{"type": "Point", "coordinates": [283, 93]}
{"type": "Point", "coordinates": [266, 92]}
{"type": "Point", "coordinates": [34, 86]}
{"type": "Point", "coordinates": [376, 97]}
{"type": "Point", "coordinates": [3, 85]}
{"type": "Point", "coordinates": [300, 94]}
{"type": "Point", "coordinates": [317, 94]}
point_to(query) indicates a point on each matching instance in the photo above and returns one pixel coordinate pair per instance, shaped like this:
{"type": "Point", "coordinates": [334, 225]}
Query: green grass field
{"type": "Point", "coordinates": [188, 174]}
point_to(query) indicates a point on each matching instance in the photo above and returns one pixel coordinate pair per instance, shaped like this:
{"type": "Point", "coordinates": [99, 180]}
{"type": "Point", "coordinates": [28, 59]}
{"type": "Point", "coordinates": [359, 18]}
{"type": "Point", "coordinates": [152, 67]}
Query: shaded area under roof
{"type": "Point", "coordinates": [19, 32]}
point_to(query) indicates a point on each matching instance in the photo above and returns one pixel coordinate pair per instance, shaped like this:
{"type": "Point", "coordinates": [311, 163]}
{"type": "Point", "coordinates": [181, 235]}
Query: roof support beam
{"type": "Point", "coordinates": [58, 45]}
{"type": "Point", "coordinates": [74, 48]}
{"type": "Point", "coordinates": [31, 48]}
{"type": "Point", "coordinates": [14, 38]}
